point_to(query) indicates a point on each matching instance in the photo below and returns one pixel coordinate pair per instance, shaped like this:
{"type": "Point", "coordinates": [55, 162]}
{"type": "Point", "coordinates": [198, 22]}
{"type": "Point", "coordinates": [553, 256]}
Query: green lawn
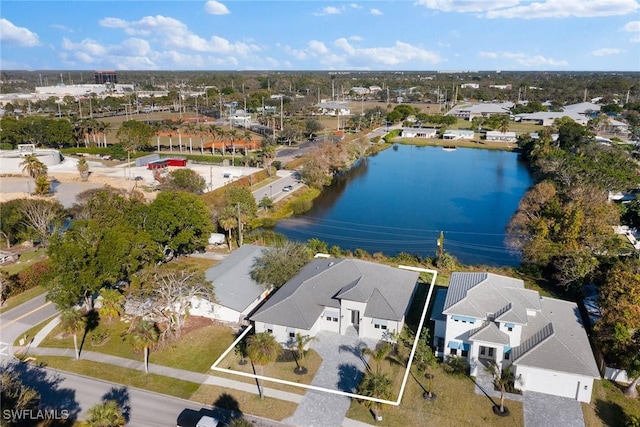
{"type": "Point", "coordinates": [194, 351]}
{"type": "Point", "coordinates": [456, 405]}
{"type": "Point", "coordinates": [609, 407]}
{"type": "Point", "coordinates": [25, 260]}
{"type": "Point", "coordinates": [282, 369]}
{"type": "Point", "coordinates": [130, 377]}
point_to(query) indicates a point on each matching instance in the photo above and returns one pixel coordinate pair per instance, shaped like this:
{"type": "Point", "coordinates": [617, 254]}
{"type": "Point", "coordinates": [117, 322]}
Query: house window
{"type": "Point", "coordinates": [507, 355]}
{"type": "Point", "coordinates": [454, 351]}
{"type": "Point", "coordinates": [510, 329]}
{"type": "Point", "coordinates": [490, 351]}
{"type": "Point", "coordinates": [483, 350]}
{"type": "Point", "coordinates": [465, 353]}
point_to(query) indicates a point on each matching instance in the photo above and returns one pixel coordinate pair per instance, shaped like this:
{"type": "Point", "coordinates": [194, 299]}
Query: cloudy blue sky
{"type": "Point", "coordinates": [600, 35]}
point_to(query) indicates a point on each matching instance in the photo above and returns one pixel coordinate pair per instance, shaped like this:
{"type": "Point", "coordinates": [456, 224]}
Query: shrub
{"type": "Point", "coordinates": [277, 164]}
{"type": "Point", "coordinates": [300, 206]}
{"type": "Point", "coordinates": [35, 275]}
{"type": "Point", "coordinates": [455, 365]}
{"type": "Point", "coordinates": [240, 422]}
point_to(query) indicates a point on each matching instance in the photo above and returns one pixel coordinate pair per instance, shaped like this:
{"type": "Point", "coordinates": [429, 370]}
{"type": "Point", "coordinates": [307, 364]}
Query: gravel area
{"type": "Point", "coordinates": [544, 410]}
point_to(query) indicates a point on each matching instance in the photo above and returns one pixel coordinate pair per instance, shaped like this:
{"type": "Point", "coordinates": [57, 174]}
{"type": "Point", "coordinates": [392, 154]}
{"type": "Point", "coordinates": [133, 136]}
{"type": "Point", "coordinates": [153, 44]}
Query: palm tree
{"type": "Point", "coordinates": [32, 166]}
{"type": "Point", "coordinates": [191, 128]}
{"type": "Point", "coordinates": [228, 221]}
{"type": "Point", "coordinates": [377, 385]}
{"type": "Point", "coordinates": [111, 304]}
{"type": "Point", "coordinates": [170, 127]}
{"type": "Point", "coordinates": [72, 321]}
{"type": "Point", "coordinates": [263, 349]}
{"type": "Point", "coordinates": [502, 378]}
{"type": "Point", "coordinates": [301, 341]}
{"type": "Point", "coordinates": [105, 127]}
{"type": "Point", "coordinates": [105, 414]}
{"type": "Point", "coordinates": [503, 123]}
{"type": "Point", "coordinates": [232, 134]}
{"type": "Point", "coordinates": [144, 336]}
{"type": "Point", "coordinates": [83, 168]}
{"type": "Point", "coordinates": [42, 185]}
{"type": "Point", "coordinates": [378, 354]}
{"type": "Point", "coordinates": [179, 125]}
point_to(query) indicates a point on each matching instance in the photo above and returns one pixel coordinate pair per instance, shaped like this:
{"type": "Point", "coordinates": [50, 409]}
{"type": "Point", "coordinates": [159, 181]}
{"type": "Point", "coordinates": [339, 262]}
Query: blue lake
{"type": "Point", "coordinates": [400, 199]}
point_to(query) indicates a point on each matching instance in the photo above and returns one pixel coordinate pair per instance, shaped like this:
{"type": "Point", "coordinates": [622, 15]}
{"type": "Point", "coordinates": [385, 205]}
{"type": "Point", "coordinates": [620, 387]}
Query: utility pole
{"type": "Point", "coordinates": [281, 113]}
{"type": "Point", "coordinates": [239, 225]}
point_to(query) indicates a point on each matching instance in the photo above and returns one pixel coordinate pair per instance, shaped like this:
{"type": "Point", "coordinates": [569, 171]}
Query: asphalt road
{"type": "Point", "coordinates": [15, 322]}
{"type": "Point", "coordinates": [70, 395]}
{"type": "Point", "coordinates": [275, 190]}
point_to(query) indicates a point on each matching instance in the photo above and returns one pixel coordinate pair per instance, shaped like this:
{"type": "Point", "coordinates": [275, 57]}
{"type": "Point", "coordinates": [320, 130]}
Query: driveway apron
{"type": "Point", "coordinates": [341, 369]}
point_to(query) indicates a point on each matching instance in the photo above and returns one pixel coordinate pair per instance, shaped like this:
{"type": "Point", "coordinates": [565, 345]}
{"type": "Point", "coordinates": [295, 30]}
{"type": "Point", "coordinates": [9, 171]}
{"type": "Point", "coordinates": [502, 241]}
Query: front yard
{"type": "Point", "coordinates": [456, 404]}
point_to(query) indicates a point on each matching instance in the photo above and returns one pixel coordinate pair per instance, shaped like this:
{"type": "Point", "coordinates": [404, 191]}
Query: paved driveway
{"type": "Point", "coordinates": [540, 410]}
{"type": "Point", "coordinates": [341, 369]}
{"type": "Point", "coordinates": [544, 410]}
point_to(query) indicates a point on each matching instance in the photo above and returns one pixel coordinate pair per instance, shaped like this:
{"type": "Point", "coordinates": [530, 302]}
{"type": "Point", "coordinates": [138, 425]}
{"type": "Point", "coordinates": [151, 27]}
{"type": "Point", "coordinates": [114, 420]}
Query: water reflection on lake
{"type": "Point", "coordinates": [400, 200]}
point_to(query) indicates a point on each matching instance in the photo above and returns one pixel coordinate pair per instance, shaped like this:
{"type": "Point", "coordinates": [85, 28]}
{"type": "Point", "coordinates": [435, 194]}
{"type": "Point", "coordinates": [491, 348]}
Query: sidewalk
{"type": "Point", "coordinates": [166, 371]}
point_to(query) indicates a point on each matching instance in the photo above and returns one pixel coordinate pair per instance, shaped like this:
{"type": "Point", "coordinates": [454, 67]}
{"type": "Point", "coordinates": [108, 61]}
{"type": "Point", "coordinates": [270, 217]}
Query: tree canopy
{"type": "Point", "coordinates": [279, 264]}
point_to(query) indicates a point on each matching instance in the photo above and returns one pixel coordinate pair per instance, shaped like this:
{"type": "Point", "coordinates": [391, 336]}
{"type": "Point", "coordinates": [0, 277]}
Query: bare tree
{"type": "Point", "coordinates": [167, 296]}
{"type": "Point", "coordinates": [41, 216]}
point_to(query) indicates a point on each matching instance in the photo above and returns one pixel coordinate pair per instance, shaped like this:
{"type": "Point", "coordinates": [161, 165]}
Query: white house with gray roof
{"type": "Point", "coordinates": [341, 296]}
{"type": "Point", "coordinates": [488, 317]}
{"type": "Point", "coordinates": [237, 293]}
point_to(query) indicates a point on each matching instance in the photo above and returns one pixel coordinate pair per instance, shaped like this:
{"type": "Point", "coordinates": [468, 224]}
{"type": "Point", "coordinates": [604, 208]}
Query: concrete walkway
{"type": "Point", "coordinates": [341, 369]}
{"type": "Point", "coordinates": [166, 371]}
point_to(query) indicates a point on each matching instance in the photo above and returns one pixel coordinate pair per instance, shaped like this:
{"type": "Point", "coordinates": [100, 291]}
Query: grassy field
{"type": "Point", "coordinates": [609, 407]}
{"type": "Point", "coordinates": [26, 259]}
{"type": "Point", "coordinates": [456, 405]}
{"type": "Point", "coordinates": [282, 369]}
{"type": "Point", "coordinates": [194, 351]}
{"type": "Point", "coordinates": [268, 407]}
{"type": "Point", "coordinates": [130, 377]}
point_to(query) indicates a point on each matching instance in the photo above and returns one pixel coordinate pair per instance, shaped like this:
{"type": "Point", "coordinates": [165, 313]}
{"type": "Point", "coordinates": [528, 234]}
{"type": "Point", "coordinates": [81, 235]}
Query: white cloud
{"type": "Point", "coordinates": [17, 36]}
{"type": "Point", "coordinates": [632, 27]}
{"type": "Point", "coordinates": [61, 28]}
{"type": "Point", "coordinates": [330, 10]}
{"type": "Point", "coordinates": [347, 55]}
{"type": "Point", "coordinates": [317, 47]}
{"type": "Point", "coordinates": [356, 38]}
{"type": "Point", "coordinates": [376, 12]}
{"type": "Point", "coordinates": [567, 8]}
{"type": "Point", "coordinates": [525, 60]}
{"type": "Point", "coordinates": [606, 51]}
{"type": "Point", "coordinates": [214, 7]}
{"type": "Point", "coordinates": [174, 34]}
{"type": "Point", "coordinates": [466, 5]}
{"type": "Point", "coordinates": [355, 6]}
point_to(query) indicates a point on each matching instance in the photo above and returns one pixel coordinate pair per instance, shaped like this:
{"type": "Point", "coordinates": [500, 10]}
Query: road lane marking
{"type": "Point", "coordinates": [24, 315]}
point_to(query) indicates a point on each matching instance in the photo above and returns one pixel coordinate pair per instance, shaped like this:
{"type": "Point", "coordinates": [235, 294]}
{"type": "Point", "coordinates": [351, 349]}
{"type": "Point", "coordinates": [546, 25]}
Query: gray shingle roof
{"type": "Point", "coordinates": [481, 294]}
{"type": "Point", "coordinates": [489, 332]}
{"type": "Point", "coordinates": [232, 280]}
{"type": "Point", "coordinates": [554, 338]}
{"type": "Point", "coordinates": [323, 282]}
{"type": "Point", "coordinates": [557, 341]}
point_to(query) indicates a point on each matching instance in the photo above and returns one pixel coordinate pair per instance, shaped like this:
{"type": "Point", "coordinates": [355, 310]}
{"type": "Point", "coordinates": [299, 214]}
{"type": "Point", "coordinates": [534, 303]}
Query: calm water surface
{"type": "Point", "coordinates": [400, 200]}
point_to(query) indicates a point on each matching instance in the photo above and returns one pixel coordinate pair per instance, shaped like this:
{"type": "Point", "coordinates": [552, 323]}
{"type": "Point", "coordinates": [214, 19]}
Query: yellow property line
{"type": "Point", "coordinates": [24, 315]}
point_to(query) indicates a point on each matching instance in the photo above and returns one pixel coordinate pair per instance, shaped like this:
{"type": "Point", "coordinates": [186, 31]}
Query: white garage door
{"type": "Point", "coordinates": [552, 383]}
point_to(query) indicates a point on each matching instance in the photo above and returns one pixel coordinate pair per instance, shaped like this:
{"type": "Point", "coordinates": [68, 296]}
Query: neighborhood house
{"type": "Point", "coordinates": [345, 296]}
{"type": "Point", "coordinates": [237, 294]}
{"type": "Point", "coordinates": [486, 317]}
